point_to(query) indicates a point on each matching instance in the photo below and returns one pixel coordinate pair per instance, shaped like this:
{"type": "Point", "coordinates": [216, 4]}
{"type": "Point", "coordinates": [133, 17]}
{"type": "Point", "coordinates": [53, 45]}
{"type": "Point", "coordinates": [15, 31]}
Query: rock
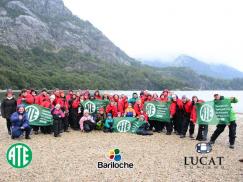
{"type": "Point", "coordinates": [38, 22]}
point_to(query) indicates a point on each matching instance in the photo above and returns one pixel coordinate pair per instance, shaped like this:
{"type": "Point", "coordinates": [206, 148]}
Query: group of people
{"type": "Point", "coordinates": [67, 111]}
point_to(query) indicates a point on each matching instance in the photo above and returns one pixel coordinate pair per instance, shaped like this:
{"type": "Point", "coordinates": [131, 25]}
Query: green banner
{"type": "Point", "coordinates": [127, 124]}
{"type": "Point", "coordinates": [94, 105]}
{"type": "Point", "coordinates": [39, 116]}
{"type": "Point", "coordinates": [158, 111]}
{"type": "Point", "coordinates": [214, 112]}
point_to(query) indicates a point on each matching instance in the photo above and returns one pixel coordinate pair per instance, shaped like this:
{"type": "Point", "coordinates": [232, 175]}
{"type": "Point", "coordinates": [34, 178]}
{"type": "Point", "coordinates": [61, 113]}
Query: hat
{"type": "Point", "coordinates": [44, 90]}
{"type": "Point", "coordinates": [165, 90]}
{"type": "Point", "coordinates": [183, 97]}
{"type": "Point", "coordinates": [57, 106]}
{"type": "Point", "coordinates": [109, 114]}
{"type": "Point", "coordinates": [86, 111]}
{"type": "Point", "coordinates": [53, 97]}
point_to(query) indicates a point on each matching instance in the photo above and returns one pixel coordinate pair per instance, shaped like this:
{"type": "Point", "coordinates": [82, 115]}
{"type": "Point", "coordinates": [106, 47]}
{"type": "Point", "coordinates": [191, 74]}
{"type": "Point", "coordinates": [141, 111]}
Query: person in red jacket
{"type": "Point", "coordinates": [175, 115]}
{"type": "Point", "coordinates": [155, 97]}
{"type": "Point", "coordinates": [64, 108]}
{"type": "Point", "coordinates": [186, 115]}
{"type": "Point", "coordinates": [122, 105]}
{"type": "Point", "coordinates": [97, 95]}
{"type": "Point", "coordinates": [69, 95]}
{"type": "Point", "coordinates": [202, 129]}
{"type": "Point", "coordinates": [73, 112]}
{"type": "Point", "coordinates": [33, 93]}
{"type": "Point", "coordinates": [138, 107]}
{"type": "Point", "coordinates": [112, 108]}
{"type": "Point", "coordinates": [25, 97]}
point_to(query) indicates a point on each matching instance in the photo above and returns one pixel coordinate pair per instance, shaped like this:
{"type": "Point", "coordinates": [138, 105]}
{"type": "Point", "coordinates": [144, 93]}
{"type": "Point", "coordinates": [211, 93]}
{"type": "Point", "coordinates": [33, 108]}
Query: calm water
{"type": "Point", "coordinates": [204, 95]}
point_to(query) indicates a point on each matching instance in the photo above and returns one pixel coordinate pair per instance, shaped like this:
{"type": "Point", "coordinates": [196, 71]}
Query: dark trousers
{"type": "Point", "coordinates": [169, 126]}
{"type": "Point", "coordinates": [73, 118]}
{"type": "Point", "coordinates": [159, 126]}
{"type": "Point", "coordinates": [202, 132]}
{"type": "Point", "coordinates": [106, 130]}
{"type": "Point", "coordinates": [46, 129]}
{"type": "Point", "coordinates": [65, 123]}
{"type": "Point", "coordinates": [8, 123]}
{"type": "Point", "coordinates": [220, 129]}
{"type": "Point", "coordinates": [177, 124]}
{"type": "Point", "coordinates": [89, 126]}
{"type": "Point", "coordinates": [57, 126]}
{"type": "Point", "coordinates": [151, 124]}
{"type": "Point", "coordinates": [185, 123]}
{"type": "Point", "coordinates": [35, 128]}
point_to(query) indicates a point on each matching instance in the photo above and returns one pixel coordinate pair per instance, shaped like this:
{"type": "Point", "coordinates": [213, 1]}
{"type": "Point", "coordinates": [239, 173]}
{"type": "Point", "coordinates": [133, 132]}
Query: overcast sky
{"type": "Point", "coordinates": [210, 30]}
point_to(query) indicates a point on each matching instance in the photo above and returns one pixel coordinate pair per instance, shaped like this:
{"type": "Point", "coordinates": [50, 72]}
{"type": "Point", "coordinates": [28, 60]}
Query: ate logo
{"type": "Point", "coordinates": [206, 113]}
{"type": "Point", "coordinates": [33, 112]}
{"type": "Point", "coordinates": [90, 106]}
{"type": "Point", "coordinates": [123, 126]}
{"type": "Point", "coordinates": [150, 109]}
{"type": "Point", "coordinates": [19, 155]}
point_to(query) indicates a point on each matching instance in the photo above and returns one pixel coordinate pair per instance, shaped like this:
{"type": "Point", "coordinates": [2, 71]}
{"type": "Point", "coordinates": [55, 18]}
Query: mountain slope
{"type": "Point", "coordinates": [202, 68]}
{"type": "Point", "coordinates": [48, 23]}
{"type": "Point", "coordinates": [43, 45]}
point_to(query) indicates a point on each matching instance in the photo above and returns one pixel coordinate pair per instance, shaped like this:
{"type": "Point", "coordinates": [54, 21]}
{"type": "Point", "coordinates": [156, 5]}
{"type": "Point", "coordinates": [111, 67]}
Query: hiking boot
{"type": "Point", "coordinates": [36, 132]}
{"type": "Point", "coordinates": [9, 132]}
{"type": "Point", "coordinates": [241, 160]}
{"type": "Point", "coordinates": [231, 146]}
{"type": "Point", "coordinates": [168, 133]}
{"type": "Point", "coordinates": [182, 136]}
{"type": "Point", "coordinates": [27, 137]}
{"type": "Point", "coordinates": [191, 136]}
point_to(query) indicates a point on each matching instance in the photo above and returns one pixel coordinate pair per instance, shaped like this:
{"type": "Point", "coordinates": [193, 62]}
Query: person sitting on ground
{"type": "Point", "coordinates": [20, 123]}
{"type": "Point", "coordinates": [144, 128]}
{"type": "Point", "coordinates": [108, 123]}
{"type": "Point", "coordinates": [129, 111]}
{"type": "Point", "coordinates": [87, 122]}
{"type": "Point", "coordinates": [58, 116]}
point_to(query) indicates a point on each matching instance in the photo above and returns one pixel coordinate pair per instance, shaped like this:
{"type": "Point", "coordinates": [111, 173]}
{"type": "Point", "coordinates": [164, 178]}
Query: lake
{"type": "Point", "coordinates": [204, 95]}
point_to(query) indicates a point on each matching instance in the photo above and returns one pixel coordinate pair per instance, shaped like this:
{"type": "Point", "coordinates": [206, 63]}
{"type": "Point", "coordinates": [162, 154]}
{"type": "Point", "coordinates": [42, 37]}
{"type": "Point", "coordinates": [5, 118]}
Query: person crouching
{"type": "Point", "coordinates": [108, 123]}
{"type": "Point", "coordinates": [58, 115]}
{"type": "Point", "coordinates": [20, 123]}
{"type": "Point", "coordinates": [87, 122]}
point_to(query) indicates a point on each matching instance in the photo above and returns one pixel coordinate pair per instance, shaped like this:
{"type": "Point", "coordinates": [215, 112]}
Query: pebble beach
{"type": "Point", "coordinates": [74, 157]}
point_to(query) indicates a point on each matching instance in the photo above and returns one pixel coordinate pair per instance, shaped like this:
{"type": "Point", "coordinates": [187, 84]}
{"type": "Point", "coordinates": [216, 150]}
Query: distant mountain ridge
{"type": "Point", "coordinates": [200, 67]}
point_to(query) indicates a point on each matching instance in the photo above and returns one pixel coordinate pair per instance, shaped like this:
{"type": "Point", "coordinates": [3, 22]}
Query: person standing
{"type": "Point", "coordinates": [186, 114]}
{"type": "Point", "coordinates": [232, 123]}
{"type": "Point", "coordinates": [8, 107]}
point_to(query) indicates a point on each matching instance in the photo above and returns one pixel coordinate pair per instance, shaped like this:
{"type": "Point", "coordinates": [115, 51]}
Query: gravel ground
{"type": "Point", "coordinates": [74, 157]}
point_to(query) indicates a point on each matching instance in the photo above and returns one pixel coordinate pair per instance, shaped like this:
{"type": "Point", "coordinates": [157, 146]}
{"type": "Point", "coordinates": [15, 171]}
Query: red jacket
{"type": "Point", "coordinates": [29, 99]}
{"type": "Point", "coordinates": [63, 102]}
{"type": "Point", "coordinates": [173, 106]}
{"type": "Point", "coordinates": [194, 112]}
{"type": "Point", "coordinates": [187, 107]}
{"type": "Point", "coordinates": [112, 109]}
{"type": "Point", "coordinates": [98, 97]}
{"type": "Point", "coordinates": [69, 96]}
{"type": "Point", "coordinates": [75, 103]}
{"type": "Point", "coordinates": [138, 108]}
{"type": "Point", "coordinates": [122, 105]}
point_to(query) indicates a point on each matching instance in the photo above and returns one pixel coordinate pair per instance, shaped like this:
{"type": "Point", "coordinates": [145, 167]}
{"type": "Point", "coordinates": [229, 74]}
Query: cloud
{"type": "Point", "coordinates": [208, 30]}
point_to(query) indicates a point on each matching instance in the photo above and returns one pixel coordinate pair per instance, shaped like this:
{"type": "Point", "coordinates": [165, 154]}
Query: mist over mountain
{"type": "Point", "coordinates": [212, 70]}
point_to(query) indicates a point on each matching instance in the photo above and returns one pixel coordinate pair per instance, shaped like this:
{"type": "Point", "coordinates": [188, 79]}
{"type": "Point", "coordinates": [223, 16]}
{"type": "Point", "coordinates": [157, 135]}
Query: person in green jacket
{"type": "Point", "coordinates": [108, 123]}
{"type": "Point", "coordinates": [133, 99]}
{"type": "Point", "coordinates": [232, 123]}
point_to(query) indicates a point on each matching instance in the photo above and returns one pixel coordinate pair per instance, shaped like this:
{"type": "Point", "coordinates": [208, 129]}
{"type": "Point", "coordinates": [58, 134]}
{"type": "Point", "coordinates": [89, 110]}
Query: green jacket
{"type": "Point", "coordinates": [232, 112]}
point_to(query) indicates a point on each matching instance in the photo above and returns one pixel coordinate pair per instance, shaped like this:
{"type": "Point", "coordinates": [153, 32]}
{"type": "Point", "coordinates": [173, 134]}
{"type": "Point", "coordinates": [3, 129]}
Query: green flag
{"type": "Point", "coordinates": [127, 124]}
{"type": "Point", "coordinates": [159, 111]}
{"type": "Point", "coordinates": [214, 112]}
{"type": "Point", "coordinates": [39, 116]}
{"type": "Point", "coordinates": [94, 105]}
